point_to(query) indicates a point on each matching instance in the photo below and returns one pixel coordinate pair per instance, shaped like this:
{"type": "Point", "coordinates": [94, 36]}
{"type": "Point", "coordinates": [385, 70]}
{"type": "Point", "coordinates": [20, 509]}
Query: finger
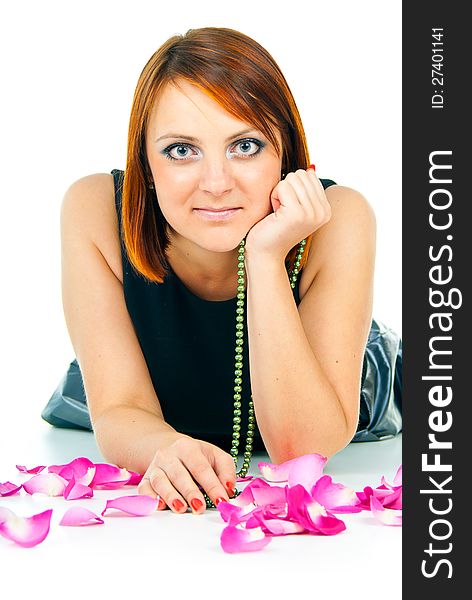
{"type": "Point", "coordinates": [201, 469]}
{"type": "Point", "coordinates": [178, 475]}
{"type": "Point", "coordinates": [314, 180]}
{"type": "Point", "coordinates": [223, 465]}
{"type": "Point", "coordinates": [287, 194]}
{"type": "Point", "coordinates": [145, 488]}
{"type": "Point", "coordinates": [316, 196]}
{"type": "Point", "coordinates": [307, 196]}
{"type": "Point", "coordinates": [302, 185]}
{"type": "Point", "coordinates": [167, 491]}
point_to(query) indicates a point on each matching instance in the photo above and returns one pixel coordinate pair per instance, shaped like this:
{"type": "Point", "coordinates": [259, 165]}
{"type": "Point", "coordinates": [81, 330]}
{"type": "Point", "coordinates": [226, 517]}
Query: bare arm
{"type": "Point", "coordinates": [124, 410]}
{"type": "Point", "coordinates": [129, 437]}
{"type": "Point", "coordinates": [306, 363]}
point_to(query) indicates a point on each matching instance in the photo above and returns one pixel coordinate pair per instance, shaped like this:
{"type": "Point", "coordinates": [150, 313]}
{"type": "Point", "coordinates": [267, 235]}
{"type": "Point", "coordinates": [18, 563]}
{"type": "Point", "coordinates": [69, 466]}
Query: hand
{"type": "Point", "coordinates": [300, 207]}
{"type": "Point", "coordinates": [180, 465]}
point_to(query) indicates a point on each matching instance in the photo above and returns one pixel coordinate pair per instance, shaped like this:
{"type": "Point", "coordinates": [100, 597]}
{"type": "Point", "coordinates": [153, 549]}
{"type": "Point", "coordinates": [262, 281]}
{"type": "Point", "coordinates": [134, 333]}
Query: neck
{"type": "Point", "coordinates": [207, 266]}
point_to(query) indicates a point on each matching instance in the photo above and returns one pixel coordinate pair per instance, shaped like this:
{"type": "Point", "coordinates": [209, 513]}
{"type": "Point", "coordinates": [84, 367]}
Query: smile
{"type": "Point", "coordinates": [214, 215]}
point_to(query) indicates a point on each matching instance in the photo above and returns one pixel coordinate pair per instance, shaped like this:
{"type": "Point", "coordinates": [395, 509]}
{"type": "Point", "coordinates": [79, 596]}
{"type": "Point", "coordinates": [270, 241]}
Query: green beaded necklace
{"type": "Point", "coordinates": [238, 369]}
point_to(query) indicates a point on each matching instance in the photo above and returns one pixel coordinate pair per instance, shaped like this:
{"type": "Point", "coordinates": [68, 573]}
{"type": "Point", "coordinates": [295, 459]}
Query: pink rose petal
{"type": "Point", "coordinates": [385, 515]}
{"type": "Point", "coordinates": [32, 471]}
{"type": "Point", "coordinates": [264, 508]}
{"type": "Point", "coordinates": [234, 538]}
{"type": "Point", "coordinates": [275, 473]}
{"type": "Point", "coordinates": [289, 510]}
{"type": "Point", "coordinates": [5, 513]}
{"type": "Point", "coordinates": [48, 483]}
{"type": "Point", "coordinates": [110, 477]}
{"type": "Point", "coordinates": [75, 490]}
{"type": "Point", "coordinates": [384, 485]}
{"type": "Point", "coordinates": [329, 524]}
{"type": "Point", "coordinates": [390, 496]}
{"type": "Point", "coordinates": [271, 497]}
{"type": "Point", "coordinates": [260, 512]}
{"type": "Point", "coordinates": [387, 495]}
{"type": "Point", "coordinates": [81, 469]}
{"type": "Point", "coordinates": [397, 480]}
{"type": "Point", "coordinates": [311, 514]}
{"type": "Point", "coordinates": [77, 515]}
{"type": "Point", "coordinates": [280, 526]}
{"type": "Point", "coordinates": [304, 470]}
{"type": "Point", "coordinates": [77, 466]}
{"type": "Point", "coordinates": [246, 496]}
{"type": "Point", "coordinates": [135, 478]}
{"type": "Point", "coordinates": [25, 531]}
{"type": "Point", "coordinates": [247, 478]}
{"type": "Point", "coordinates": [8, 488]}
{"type": "Point", "coordinates": [393, 500]}
{"type": "Point", "coordinates": [234, 514]}
{"type": "Point", "coordinates": [364, 498]}
{"type": "Point", "coordinates": [335, 496]}
{"type": "Point", "coordinates": [257, 493]}
{"type": "Point", "coordinates": [273, 526]}
{"type": "Point", "coordinates": [139, 506]}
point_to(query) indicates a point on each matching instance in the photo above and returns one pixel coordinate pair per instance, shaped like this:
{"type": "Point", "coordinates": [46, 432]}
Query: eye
{"type": "Point", "coordinates": [177, 152]}
{"type": "Point", "coordinates": [248, 147]}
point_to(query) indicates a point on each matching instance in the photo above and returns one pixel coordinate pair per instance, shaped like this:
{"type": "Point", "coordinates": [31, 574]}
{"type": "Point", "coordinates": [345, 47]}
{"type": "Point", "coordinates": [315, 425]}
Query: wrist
{"type": "Point", "coordinates": [264, 268]}
{"type": "Point", "coordinates": [254, 258]}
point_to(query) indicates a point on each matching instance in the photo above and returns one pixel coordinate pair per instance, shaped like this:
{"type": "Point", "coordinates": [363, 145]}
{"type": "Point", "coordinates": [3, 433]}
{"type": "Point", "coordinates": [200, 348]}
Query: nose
{"type": "Point", "coordinates": [216, 176]}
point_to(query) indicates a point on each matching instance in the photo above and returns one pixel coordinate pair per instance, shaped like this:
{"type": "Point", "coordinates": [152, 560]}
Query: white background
{"type": "Point", "coordinates": [69, 70]}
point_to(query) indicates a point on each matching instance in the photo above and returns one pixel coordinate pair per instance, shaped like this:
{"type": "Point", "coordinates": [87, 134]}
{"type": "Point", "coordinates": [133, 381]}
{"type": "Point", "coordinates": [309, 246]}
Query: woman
{"type": "Point", "coordinates": [218, 281]}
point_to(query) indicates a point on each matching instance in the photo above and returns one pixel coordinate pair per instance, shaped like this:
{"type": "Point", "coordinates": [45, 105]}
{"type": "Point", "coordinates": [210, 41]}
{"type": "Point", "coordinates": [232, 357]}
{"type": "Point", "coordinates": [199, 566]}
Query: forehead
{"type": "Point", "coordinates": [183, 104]}
{"type": "Point", "coordinates": [183, 107]}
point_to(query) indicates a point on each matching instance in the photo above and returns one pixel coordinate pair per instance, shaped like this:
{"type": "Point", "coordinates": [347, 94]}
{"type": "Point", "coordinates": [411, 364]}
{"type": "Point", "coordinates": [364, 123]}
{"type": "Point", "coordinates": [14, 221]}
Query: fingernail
{"type": "Point", "coordinates": [230, 488]}
{"type": "Point", "coordinates": [161, 503]}
{"type": "Point", "coordinates": [196, 504]}
{"type": "Point", "coordinates": [178, 504]}
{"type": "Point", "coordinates": [312, 167]}
{"type": "Point", "coordinates": [218, 500]}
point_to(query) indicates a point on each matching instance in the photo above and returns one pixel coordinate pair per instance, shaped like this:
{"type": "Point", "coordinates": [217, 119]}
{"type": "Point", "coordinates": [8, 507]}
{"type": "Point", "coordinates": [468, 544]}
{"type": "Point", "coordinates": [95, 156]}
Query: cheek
{"type": "Point", "coordinates": [172, 190]}
{"type": "Point", "coordinates": [261, 191]}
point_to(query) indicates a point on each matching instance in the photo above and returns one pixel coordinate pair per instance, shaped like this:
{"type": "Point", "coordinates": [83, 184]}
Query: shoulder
{"type": "Point", "coordinates": [346, 201]}
{"type": "Point", "coordinates": [88, 208]}
{"type": "Point", "coordinates": [350, 230]}
{"type": "Point", "coordinates": [90, 192]}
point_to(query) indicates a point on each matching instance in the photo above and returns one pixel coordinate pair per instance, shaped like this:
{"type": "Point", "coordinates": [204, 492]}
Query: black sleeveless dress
{"type": "Point", "coordinates": [188, 344]}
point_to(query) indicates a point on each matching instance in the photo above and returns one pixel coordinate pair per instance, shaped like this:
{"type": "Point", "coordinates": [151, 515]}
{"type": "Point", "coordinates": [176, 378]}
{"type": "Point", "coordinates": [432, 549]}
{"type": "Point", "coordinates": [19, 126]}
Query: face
{"type": "Point", "coordinates": [202, 157]}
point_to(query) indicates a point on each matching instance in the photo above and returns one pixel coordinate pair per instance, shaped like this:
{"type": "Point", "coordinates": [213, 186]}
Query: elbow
{"type": "Point", "coordinates": [325, 445]}
{"type": "Point", "coordinates": [326, 450]}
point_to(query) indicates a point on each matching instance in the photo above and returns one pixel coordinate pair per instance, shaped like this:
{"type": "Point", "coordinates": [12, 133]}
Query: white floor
{"type": "Point", "coordinates": [180, 555]}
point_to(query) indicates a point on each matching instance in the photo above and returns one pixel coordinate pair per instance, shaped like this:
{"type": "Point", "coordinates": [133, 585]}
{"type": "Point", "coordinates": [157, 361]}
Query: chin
{"type": "Point", "coordinates": [223, 242]}
{"type": "Point", "coordinates": [222, 246]}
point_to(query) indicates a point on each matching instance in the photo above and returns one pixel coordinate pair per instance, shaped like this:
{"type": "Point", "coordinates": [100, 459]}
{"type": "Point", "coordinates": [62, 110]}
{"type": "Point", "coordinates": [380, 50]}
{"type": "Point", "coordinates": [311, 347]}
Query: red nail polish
{"type": "Point", "coordinates": [230, 488]}
{"type": "Point", "coordinates": [178, 504]}
{"type": "Point", "coordinates": [218, 500]}
{"type": "Point", "coordinates": [312, 167]}
{"type": "Point", "coordinates": [196, 503]}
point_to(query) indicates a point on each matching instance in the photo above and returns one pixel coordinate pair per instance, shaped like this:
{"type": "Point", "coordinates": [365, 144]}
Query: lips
{"type": "Point", "coordinates": [211, 209]}
{"type": "Point", "coordinates": [221, 214]}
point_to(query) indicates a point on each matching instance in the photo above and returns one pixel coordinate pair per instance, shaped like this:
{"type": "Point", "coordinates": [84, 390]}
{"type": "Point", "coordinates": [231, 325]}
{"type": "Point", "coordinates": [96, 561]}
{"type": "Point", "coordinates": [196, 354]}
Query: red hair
{"type": "Point", "coordinates": [243, 78]}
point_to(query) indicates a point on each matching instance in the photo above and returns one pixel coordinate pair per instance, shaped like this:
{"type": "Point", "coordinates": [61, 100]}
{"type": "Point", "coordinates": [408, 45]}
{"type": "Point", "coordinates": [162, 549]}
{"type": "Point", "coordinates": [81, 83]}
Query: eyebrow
{"type": "Point", "coordinates": [194, 139]}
